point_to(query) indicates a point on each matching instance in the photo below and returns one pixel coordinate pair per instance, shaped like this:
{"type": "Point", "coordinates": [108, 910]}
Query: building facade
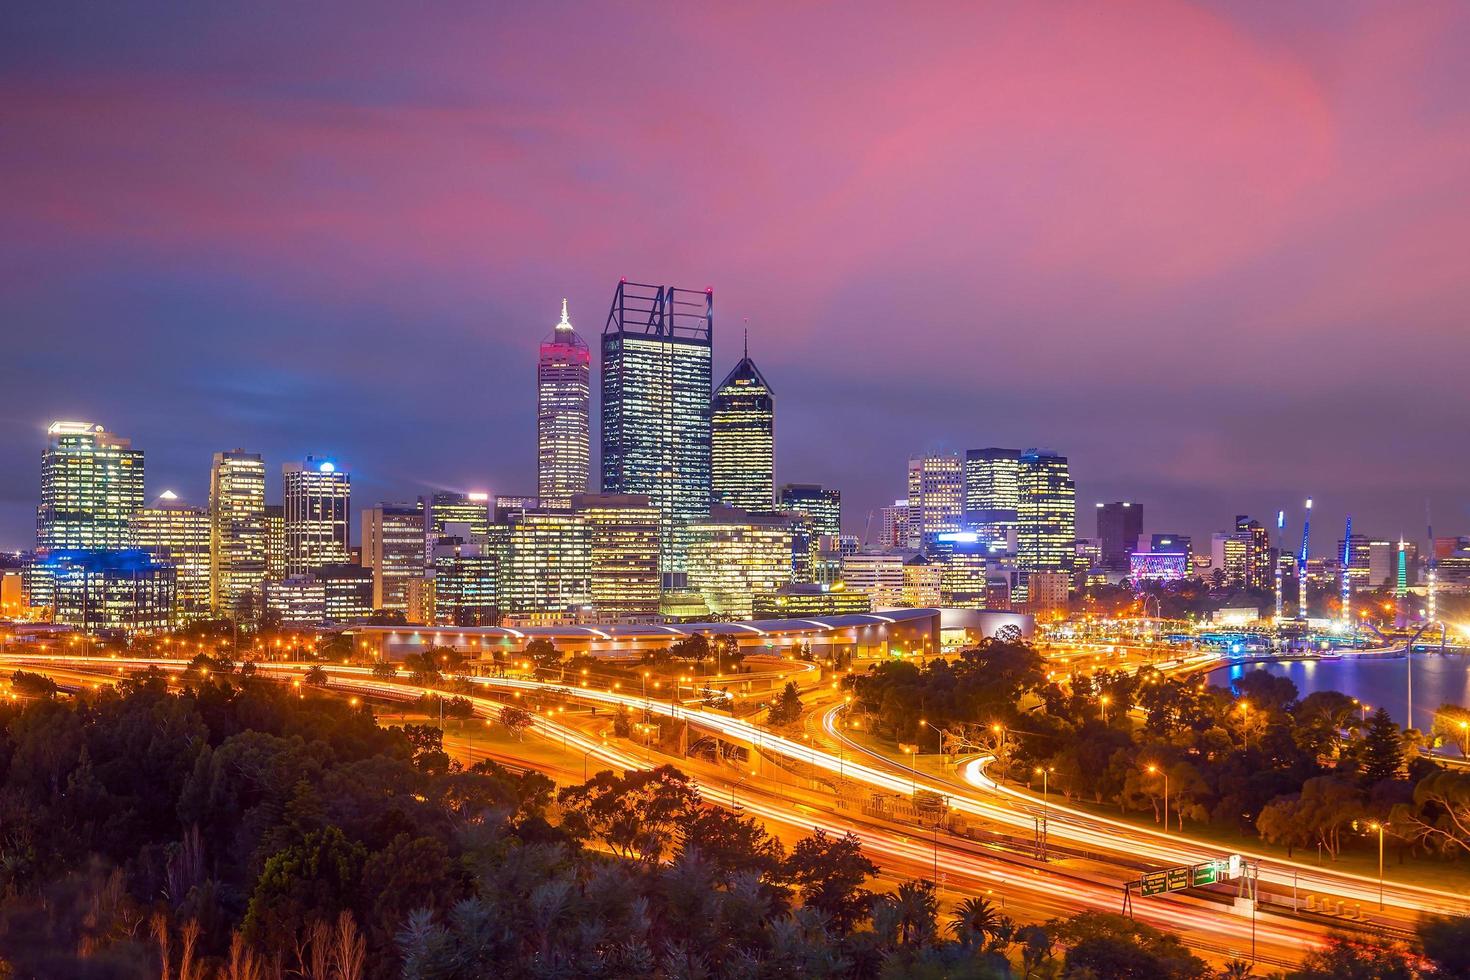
{"type": "Point", "coordinates": [1046, 515]}
{"type": "Point", "coordinates": [172, 531]}
{"type": "Point", "coordinates": [993, 494]}
{"type": "Point", "coordinates": [656, 376]}
{"type": "Point", "coordinates": [124, 591]}
{"type": "Point", "coordinates": [822, 504]}
{"type": "Point", "coordinates": [563, 413]}
{"type": "Point", "coordinates": [1119, 526]}
{"type": "Point", "coordinates": [936, 496]}
{"type": "Point", "coordinates": [238, 538]}
{"type": "Point", "coordinates": [622, 555]}
{"type": "Point", "coordinates": [547, 569]}
{"type": "Point", "coordinates": [393, 547]}
{"type": "Point", "coordinates": [733, 557]}
{"type": "Point", "coordinates": [317, 497]}
{"type": "Point", "coordinates": [743, 440]}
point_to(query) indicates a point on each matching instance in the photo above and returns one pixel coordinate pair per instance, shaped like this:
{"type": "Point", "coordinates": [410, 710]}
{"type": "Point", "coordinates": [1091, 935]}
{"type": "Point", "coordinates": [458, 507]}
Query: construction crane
{"type": "Point", "coordinates": [1301, 564]}
{"type": "Point", "coordinates": [1347, 583]}
{"type": "Point", "coordinates": [1429, 606]}
{"type": "Point", "coordinates": [1280, 555]}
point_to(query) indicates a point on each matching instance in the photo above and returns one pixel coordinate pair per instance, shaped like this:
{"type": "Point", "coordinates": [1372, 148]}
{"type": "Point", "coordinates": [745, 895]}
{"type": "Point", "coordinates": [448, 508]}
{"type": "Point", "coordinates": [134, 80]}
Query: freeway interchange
{"type": "Point", "coordinates": [822, 778]}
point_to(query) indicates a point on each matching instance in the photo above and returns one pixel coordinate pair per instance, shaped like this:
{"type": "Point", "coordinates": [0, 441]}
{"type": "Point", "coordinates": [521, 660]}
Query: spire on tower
{"type": "Point", "coordinates": [564, 321]}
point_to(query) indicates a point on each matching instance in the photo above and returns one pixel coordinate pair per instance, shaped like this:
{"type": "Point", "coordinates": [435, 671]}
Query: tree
{"type": "Point", "coordinates": [313, 880]}
{"type": "Point", "coordinates": [638, 815]}
{"type": "Point", "coordinates": [1327, 806]}
{"type": "Point", "coordinates": [1440, 814]}
{"type": "Point", "coordinates": [1446, 943]}
{"type": "Point", "coordinates": [1351, 959]}
{"type": "Point", "coordinates": [973, 921]}
{"type": "Point", "coordinates": [33, 685]}
{"type": "Point", "coordinates": [693, 647]}
{"type": "Point", "coordinates": [1121, 948]}
{"type": "Point", "coordinates": [787, 707]}
{"type": "Point", "coordinates": [731, 844]}
{"type": "Point", "coordinates": [543, 653]}
{"type": "Point", "coordinates": [1281, 822]}
{"type": "Point", "coordinates": [1381, 754]}
{"type": "Point", "coordinates": [829, 874]}
{"type": "Point", "coordinates": [516, 720]}
{"type": "Point", "coordinates": [316, 676]}
{"type": "Point", "coordinates": [384, 670]}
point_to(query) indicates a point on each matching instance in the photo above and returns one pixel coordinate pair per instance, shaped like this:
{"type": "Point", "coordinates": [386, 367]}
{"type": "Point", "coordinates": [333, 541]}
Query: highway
{"type": "Point", "coordinates": [1032, 889]}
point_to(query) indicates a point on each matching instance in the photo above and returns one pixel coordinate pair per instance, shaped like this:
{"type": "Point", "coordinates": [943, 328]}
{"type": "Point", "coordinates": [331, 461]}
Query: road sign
{"type": "Point", "coordinates": [1155, 884]}
{"type": "Point", "coordinates": [1189, 876]}
{"type": "Point", "coordinates": [1204, 874]}
{"type": "Point", "coordinates": [1178, 879]}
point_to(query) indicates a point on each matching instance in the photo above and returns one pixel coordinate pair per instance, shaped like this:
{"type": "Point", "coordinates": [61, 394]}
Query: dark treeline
{"type": "Point", "coordinates": [1299, 771]}
{"type": "Point", "coordinates": [243, 830]}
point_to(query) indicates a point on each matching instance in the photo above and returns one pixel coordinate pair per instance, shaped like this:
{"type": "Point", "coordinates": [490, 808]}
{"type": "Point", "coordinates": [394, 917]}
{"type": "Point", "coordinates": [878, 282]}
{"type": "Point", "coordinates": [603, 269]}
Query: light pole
{"type": "Point", "coordinates": [913, 784]}
{"type": "Point", "coordinates": [1044, 772]}
{"type": "Point", "coordinates": [737, 786]}
{"type": "Point", "coordinates": [1379, 827]}
{"type": "Point", "coordinates": [1465, 738]}
{"type": "Point", "coordinates": [1165, 773]}
{"type": "Point", "coordinates": [1104, 700]}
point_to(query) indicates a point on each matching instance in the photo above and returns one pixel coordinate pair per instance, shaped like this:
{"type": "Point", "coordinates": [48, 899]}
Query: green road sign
{"type": "Point", "coordinates": [1156, 883]}
{"type": "Point", "coordinates": [1205, 874]}
{"type": "Point", "coordinates": [1178, 879]}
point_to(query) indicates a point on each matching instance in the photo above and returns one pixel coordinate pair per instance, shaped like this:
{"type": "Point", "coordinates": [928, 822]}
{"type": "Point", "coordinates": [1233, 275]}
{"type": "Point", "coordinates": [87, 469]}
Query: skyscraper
{"type": "Point", "coordinates": [993, 493]}
{"type": "Point", "coordinates": [316, 495]}
{"type": "Point", "coordinates": [656, 406]}
{"type": "Point", "coordinates": [275, 542]}
{"type": "Point", "coordinates": [546, 575]}
{"type": "Point", "coordinates": [174, 532]}
{"type": "Point", "coordinates": [936, 491]}
{"type": "Point", "coordinates": [1046, 513]}
{"type": "Point", "coordinates": [742, 439]}
{"type": "Point", "coordinates": [1119, 525]}
{"type": "Point", "coordinates": [563, 408]}
{"type": "Point", "coordinates": [734, 556]}
{"type": "Point", "coordinates": [393, 547]}
{"type": "Point", "coordinates": [237, 531]}
{"type": "Point", "coordinates": [91, 486]}
{"type": "Point", "coordinates": [822, 504]}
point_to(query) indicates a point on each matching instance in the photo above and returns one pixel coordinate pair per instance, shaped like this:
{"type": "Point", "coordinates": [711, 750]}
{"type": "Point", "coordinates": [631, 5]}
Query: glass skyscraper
{"type": "Point", "coordinates": [316, 496]}
{"type": "Point", "coordinates": [656, 406]}
{"type": "Point", "coordinates": [992, 493]}
{"type": "Point", "coordinates": [238, 543]}
{"type": "Point", "coordinates": [393, 547]}
{"type": "Point", "coordinates": [936, 489]}
{"type": "Point", "coordinates": [822, 504]}
{"type": "Point", "coordinates": [1046, 520]}
{"type": "Point", "coordinates": [743, 440]}
{"type": "Point", "coordinates": [563, 408]}
{"type": "Point", "coordinates": [174, 532]}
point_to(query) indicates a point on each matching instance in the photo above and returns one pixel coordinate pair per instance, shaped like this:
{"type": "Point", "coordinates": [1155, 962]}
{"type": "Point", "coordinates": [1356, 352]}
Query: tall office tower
{"type": "Point", "coordinates": [91, 485]}
{"type": "Point", "coordinates": [922, 580]}
{"type": "Point", "coordinates": [936, 496]}
{"type": "Point", "coordinates": [1258, 574]}
{"type": "Point", "coordinates": [122, 590]}
{"type": "Point", "coordinates": [1359, 567]}
{"type": "Point", "coordinates": [1046, 513]}
{"type": "Point", "coordinates": [547, 575]}
{"type": "Point", "coordinates": [743, 439]}
{"type": "Point", "coordinates": [656, 406]}
{"type": "Point", "coordinates": [317, 497]}
{"type": "Point", "coordinates": [878, 573]}
{"type": "Point", "coordinates": [733, 556]}
{"type": "Point", "coordinates": [822, 505]}
{"type": "Point", "coordinates": [895, 525]}
{"type": "Point", "coordinates": [393, 547]}
{"type": "Point", "coordinates": [563, 408]}
{"type": "Point", "coordinates": [237, 529]}
{"type": "Point", "coordinates": [993, 494]}
{"type": "Point", "coordinates": [1119, 526]}
{"type": "Point", "coordinates": [622, 554]}
{"type": "Point", "coordinates": [172, 531]}
{"type": "Point", "coordinates": [275, 542]}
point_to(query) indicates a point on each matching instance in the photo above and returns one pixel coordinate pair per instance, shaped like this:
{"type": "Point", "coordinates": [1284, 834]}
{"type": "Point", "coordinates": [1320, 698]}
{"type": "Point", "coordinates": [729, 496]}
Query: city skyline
{"type": "Point", "coordinates": [1084, 295]}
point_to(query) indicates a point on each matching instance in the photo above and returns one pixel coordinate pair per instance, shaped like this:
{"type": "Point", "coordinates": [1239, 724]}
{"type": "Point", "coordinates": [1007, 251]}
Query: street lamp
{"type": "Point", "coordinates": [737, 786]}
{"type": "Point", "coordinates": [1104, 700]}
{"type": "Point", "coordinates": [1379, 827]}
{"type": "Point", "coordinates": [1043, 773]}
{"type": "Point", "coordinates": [1465, 737]}
{"type": "Point", "coordinates": [1165, 773]}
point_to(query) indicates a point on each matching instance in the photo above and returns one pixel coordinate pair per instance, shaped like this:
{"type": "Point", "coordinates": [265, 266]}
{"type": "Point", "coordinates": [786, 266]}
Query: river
{"type": "Point", "coordinates": [1437, 680]}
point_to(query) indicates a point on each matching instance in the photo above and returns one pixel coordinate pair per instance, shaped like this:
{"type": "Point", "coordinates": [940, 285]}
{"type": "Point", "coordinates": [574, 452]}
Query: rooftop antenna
{"type": "Point", "coordinates": [746, 354]}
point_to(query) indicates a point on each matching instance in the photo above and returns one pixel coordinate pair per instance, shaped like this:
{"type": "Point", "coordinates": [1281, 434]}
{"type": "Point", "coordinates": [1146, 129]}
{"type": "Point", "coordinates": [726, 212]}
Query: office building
{"type": "Point", "coordinates": [894, 524]}
{"type": "Point", "coordinates": [1046, 594]}
{"type": "Point", "coordinates": [393, 548]}
{"type": "Point", "coordinates": [656, 406]}
{"type": "Point", "coordinates": [317, 497]}
{"type": "Point", "coordinates": [299, 601]}
{"type": "Point", "coordinates": [465, 587]}
{"type": "Point", "coordinates": [547, 573]}
{"type": "Point", "coordinates": [347, 592]}
{"type": "Point", "coordinates": [734, 556]}
{"type": "Point", "coordinates": [275, 542]}
{"type": "Point", "coordinates": [1243, 556]}
{"type": "Point", "coordinates": [922, 579]}
{"type": "Point", "coordinates": [1119, 526]}
{"type": "Point", "coordinates": [743, 440]}
{"type": "Point", "coordinates": [1154, 566]}
{"type": "Point", "coordinates": [237, 532]}
{"type": "Point", "coordinates": [936, 495]}
{"type": "Point", "coordinates": [470, 512]}
{"type": "Point", "coordinates": [1046, 514]}
{"type": "Point", "coordinates": [822, 504]}
{"type": "Point", "coordinates": [1172, 544]}
{"type": "Point", "coordinates": [172, 531]}
{"type": "Point", "coordinates": [878, 573]}
{"type": "Point", "coordinates": [563, 411]}
{"type": "Point", "coordinates": [622, 555]}
{"type": "Point", "coordinates": [800, 601]}
{"type": "Point", "coordinates": [119, 591]}
{"type": "Point", "coordinates": [993, 494]}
